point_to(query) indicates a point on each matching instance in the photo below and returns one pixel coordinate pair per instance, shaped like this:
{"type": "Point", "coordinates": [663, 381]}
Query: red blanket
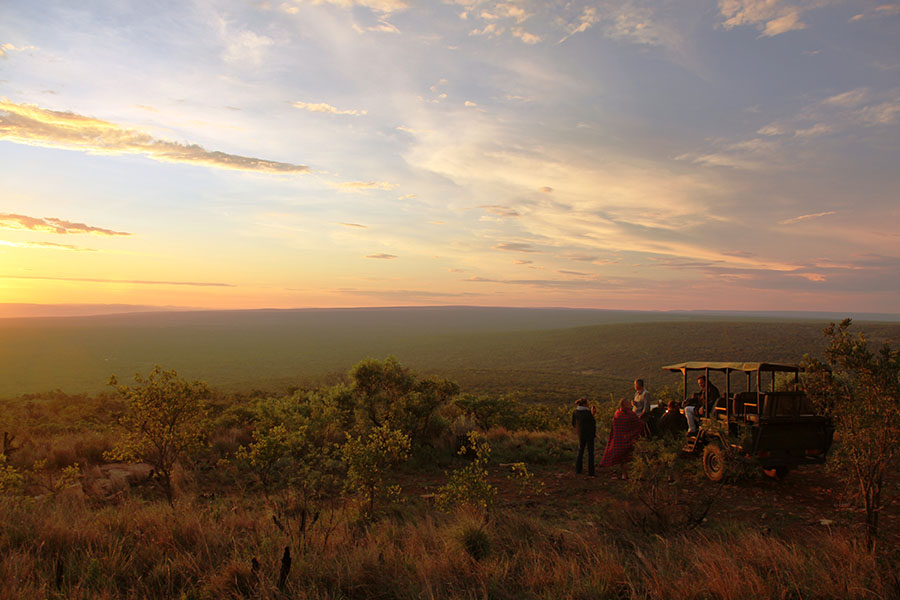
{"type": "Point", "coordinates": [626, 428]}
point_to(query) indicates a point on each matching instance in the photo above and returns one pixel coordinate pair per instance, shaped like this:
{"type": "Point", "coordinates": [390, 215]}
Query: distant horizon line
{"type": "Point", "coordinates": [23, 310]}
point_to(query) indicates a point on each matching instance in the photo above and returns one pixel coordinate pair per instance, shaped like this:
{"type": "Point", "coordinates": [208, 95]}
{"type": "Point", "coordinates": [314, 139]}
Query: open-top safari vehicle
{"type": "Point", "coordinates": [776, 430]}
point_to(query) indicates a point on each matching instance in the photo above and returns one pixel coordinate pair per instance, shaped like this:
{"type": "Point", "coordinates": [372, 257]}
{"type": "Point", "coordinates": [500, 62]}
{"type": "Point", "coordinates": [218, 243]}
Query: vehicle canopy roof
{"type": "Point", "coordinates": [746, 367]}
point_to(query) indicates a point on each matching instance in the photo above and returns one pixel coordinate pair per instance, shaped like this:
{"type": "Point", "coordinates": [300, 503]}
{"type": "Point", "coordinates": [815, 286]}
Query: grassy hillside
{"type": "Point", "coordinates": [544, 353]}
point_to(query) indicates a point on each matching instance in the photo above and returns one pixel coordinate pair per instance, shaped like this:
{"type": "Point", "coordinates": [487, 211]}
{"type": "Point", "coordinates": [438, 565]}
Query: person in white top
{"type": "Point", "coordinates": [642, 400]}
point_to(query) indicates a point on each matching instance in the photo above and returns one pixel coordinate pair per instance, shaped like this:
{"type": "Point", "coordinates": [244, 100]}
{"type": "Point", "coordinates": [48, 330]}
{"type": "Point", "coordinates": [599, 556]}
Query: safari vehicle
{"type": "Point", "coordinates": [777, 430]}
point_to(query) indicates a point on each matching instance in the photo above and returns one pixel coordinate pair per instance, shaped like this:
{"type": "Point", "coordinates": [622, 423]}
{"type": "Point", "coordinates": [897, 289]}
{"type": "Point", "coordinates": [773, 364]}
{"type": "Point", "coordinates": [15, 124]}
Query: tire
{"type": "Point", "coordinates": [714, 462]}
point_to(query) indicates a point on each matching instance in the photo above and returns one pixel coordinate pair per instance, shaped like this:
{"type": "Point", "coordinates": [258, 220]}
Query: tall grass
{"type": "Point", "coordinates": [69, 549]}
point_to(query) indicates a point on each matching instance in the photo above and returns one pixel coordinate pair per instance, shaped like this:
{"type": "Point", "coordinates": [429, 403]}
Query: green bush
{"type": "Point", "coordinates": [387, 393]}
{"type": "Point", "coordinates": [165, 418]}
{"type": "Point", "coordinates": [369, 457]}
{"type": "Point", "coordinates": [469, 486]}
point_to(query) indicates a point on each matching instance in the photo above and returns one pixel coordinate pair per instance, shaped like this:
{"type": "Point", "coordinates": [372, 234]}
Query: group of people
{"type": "Point", "coordinates": [635, 418]}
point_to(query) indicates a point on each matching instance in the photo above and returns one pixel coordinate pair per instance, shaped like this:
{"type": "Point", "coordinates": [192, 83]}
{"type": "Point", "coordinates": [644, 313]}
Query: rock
{"type": "Point", "coordinates": [114, 479]}
{"type": "Point", "coordinates": [129, 473]}
{"type": "Point", "coordinates": [74, 491]}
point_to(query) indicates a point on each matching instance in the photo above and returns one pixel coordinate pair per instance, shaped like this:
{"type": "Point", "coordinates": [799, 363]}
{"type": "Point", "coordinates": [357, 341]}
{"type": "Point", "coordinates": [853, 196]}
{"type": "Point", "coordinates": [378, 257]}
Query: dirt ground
{"type": "Point", "coordinates": [809, 499]}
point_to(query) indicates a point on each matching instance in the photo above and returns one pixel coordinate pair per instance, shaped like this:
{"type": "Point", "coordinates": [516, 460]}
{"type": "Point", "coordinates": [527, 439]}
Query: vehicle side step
{"type": "Point", "coordinates": [691, 443]}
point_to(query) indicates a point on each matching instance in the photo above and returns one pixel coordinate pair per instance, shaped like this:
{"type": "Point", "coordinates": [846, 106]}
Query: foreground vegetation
{"type": "Point", "coordinates": [231, 548]}
{"type": "Point", "coordinates": [388, 484]}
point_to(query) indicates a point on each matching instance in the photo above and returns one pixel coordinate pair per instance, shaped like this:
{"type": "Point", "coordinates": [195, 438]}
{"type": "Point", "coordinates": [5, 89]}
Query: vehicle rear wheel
{"type": "Point", "coordinates": [714, 462]}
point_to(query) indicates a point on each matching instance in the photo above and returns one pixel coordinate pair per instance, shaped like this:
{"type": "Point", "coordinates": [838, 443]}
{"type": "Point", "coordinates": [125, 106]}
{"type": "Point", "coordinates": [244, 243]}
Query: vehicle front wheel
{"type": "Point", "coordinates": [714, 462]}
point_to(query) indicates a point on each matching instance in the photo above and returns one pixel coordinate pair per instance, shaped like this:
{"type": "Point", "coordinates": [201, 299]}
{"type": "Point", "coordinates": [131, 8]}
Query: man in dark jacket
{"type": "Point", "coordinates": [673, 422]}
{"type": "Point", "coordinates": [584, 423]}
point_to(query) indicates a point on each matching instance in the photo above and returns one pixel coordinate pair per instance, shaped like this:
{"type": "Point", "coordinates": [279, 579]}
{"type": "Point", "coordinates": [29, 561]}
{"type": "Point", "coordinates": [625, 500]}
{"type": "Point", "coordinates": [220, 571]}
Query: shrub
{"type": "Point", "coordinates": [469, 487]}
{"type": "Point", "coordinates": [860, 390]}
{"type": "Point", "coordinates": [368, 458]}
{"type": "Point", "coordinates": [11, 478]}
{"type": "Point", "coordinates": [490, 411]}
{"type": "Point", "coordinates": [165, 418]}
{"type": "Point", "coordinates": [658, 504]}
{"type": "Point", "coordinates": [389, 394]}
{"type": "Point", "coordinates": [474, 540]}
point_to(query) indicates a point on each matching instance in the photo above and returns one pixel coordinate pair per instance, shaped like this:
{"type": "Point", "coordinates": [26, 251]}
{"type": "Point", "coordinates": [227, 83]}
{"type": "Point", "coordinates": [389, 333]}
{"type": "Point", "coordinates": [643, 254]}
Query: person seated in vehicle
{"type": "Point", "coordinates": [656, 414]}
{"type": "Point", "coordinates": [672, 423]}
{"type": "Point", "coordinates": [700, 403]}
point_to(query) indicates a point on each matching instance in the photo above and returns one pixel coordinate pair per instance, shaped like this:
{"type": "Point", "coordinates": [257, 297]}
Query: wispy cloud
{"type": "Point", "coordinates": [35, 126]}
{"type": "Point", "coordinates": [885, 113]}
{"type": "Point", "coordinates": [806, 217]}
{"type": "Point", "coordinates": [525, 36]}
{"type": "Point", "coordinates": [378, 6]}
{"type": "Point", "coordinates": [790, 139]}
{"type": "Point", "coordinates": [381, 26]}
{"type": "Point", "coordinates": [6, 48]}
{"type": "Point", "coordinates": [814, 130]}
{"type": "Point", "coordinates": [515, 247]}
{"type": "Point", "coordinates": [500, 211]}
{"type": "Point", "coordinates": [357, 225]}
{"type": "Point", "coordinates": [45, 246]}
{"type": "Point", "coordinates": [128, 281]}
{"type": "Point", "coordinates": [771, 17]}
{"type": "Point", "coordinates": [382, 256]}
{"type": "Point", "coordinates": [245, 46]}
{"type": "Point", "coordinates": [51, 225]}
{"type": "Point", "coordinates": [848, 99]}
{"type": "Point", "coordinates": [884, 10]}
{"type": "Point", "coordinates": [407, 295]}
{"type": "Point", "coordinates": [322, 107]}
{"type": "Point", "coordinates": [366, 185]}
{"type": "Point", "coordinates": [587, 19]}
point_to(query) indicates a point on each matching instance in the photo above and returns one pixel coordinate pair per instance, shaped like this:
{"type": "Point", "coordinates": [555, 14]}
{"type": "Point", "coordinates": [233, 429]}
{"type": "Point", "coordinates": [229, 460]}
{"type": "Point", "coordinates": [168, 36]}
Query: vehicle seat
{"type": "Point", "coordinates": [744, 402]}
{"type": "Point", "coordinates": [783, 404]}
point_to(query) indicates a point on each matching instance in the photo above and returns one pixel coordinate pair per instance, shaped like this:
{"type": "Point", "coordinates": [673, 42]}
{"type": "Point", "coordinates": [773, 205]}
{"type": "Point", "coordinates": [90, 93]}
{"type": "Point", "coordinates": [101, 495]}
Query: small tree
{"type": "Point", "coordinates": [488, 411]}
{"type": "Point", "coordinates": [165, 418]}
{"type": "Point", "coordinates": [860, 390]}
{"type": "Point", "coordinates": [369, 457]}
{"type": "Point", "coordinates": [469, 486]}
{"type": "Point", "coordinates": [389, 394]}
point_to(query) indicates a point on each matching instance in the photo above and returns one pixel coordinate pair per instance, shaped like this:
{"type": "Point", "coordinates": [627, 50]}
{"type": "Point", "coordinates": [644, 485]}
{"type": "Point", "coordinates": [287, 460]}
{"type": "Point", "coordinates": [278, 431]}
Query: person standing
{"type": "Point", "coordinates": [626, 429]}
{"type": "Point", "coordinates": [584, 423]}
{"type": "Point", "coordinates": [642, 399]}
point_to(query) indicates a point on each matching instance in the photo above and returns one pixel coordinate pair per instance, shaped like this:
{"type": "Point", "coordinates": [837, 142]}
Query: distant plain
{"type": "Point", "coordinates": [544, 354]}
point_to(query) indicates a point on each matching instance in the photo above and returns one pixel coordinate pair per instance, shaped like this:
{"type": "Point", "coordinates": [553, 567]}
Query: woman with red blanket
{"type": "Point", "coordinates": [626, 428]}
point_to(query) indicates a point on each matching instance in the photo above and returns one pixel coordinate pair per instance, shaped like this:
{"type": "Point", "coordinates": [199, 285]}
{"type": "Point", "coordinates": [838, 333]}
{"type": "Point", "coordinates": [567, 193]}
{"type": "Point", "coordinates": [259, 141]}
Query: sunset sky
{"type": "Point", "coordinates": [677, 154]}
